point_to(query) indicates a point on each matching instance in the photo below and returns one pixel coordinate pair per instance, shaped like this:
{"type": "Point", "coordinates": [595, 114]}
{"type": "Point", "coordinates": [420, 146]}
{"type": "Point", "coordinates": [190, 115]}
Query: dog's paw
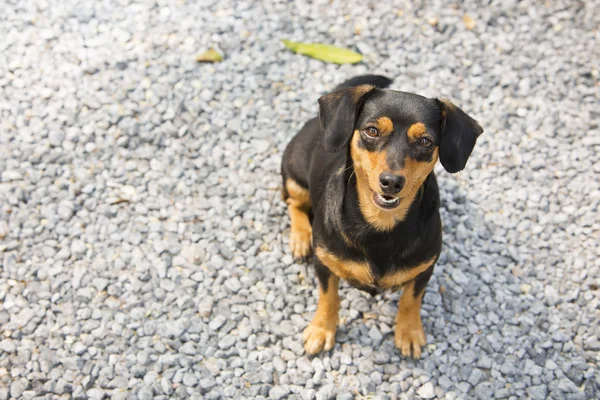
{"type": "Point", "coordinates": [301, 242]}
{"type": "Point", "coordinates": [409, 335]}
{"type": "Point", "coordinates": [318, 337]}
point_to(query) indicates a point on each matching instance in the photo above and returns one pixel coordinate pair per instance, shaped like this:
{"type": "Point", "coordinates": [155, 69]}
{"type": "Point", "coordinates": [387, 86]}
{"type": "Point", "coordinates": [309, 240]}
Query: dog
{"type": "Point", "coordinates": [363, 198]}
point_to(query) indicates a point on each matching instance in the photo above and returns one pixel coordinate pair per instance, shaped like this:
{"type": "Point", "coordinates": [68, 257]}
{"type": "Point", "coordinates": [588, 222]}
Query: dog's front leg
{"type": "Point", "coordinates": [409, 328]}
{"type": "Point", "coordinates": [320, 334]}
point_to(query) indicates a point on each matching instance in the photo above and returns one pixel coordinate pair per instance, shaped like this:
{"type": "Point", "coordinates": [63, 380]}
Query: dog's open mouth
{"type": "Point", "coordinates": [386, 202]}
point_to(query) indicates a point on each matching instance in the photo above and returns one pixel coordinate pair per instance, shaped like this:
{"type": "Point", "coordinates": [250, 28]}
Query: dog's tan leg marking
{"type": "Point", "coordinates": [301, 231]}
{"type": "Point", "coordinates": [409, 328]}
{"type": "Point", "coordinates": [320, 334]}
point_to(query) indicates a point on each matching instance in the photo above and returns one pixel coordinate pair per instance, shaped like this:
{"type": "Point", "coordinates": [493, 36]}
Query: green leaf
{"type": "Point", "coordinates": [324, 52]}
{"type": "Point", "coordinates": [209, 56]}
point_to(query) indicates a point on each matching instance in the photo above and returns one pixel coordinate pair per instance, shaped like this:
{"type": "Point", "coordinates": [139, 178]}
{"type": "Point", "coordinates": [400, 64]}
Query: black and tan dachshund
{"type": "Point", "coordinates": [361, 192]}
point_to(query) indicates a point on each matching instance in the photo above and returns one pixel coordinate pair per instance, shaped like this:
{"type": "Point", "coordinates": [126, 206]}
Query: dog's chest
{"type": "Point", "coordinates": [365, 274]}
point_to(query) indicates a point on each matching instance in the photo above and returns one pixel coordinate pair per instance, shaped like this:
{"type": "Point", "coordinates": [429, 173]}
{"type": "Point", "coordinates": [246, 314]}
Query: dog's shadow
{"type": "Point", "coordinates": [478, 311]}
{"type": "Point", "coordinates": [464, 276]}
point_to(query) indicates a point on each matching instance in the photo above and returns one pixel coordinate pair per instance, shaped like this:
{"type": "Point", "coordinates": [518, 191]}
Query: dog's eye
{"type": "Point", "coordinates": [372, 132]}
{"type": "Point", "coordinates": [425, 142]}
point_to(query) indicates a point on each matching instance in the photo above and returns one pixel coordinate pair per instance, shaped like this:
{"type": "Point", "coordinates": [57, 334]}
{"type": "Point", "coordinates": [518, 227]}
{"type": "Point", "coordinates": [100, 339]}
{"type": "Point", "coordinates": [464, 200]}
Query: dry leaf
{"type": "Point", "coordinates": [469, 22]}
{"type": "Point", "coordinates": [119, 201]}
{"type": "Point", "coordinates": [210, 55]}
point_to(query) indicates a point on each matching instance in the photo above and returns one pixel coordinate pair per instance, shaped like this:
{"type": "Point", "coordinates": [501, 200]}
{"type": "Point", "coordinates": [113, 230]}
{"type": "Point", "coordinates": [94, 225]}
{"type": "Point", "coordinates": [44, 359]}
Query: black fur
{"type": "Point", "coordinates": [459, 133]}
{"type": "Point", "coordinates": [378, 81]}
{"type": "Point", "coordinates": [338, 110]}
{"type": "Point", "coordinates": [318, 159]}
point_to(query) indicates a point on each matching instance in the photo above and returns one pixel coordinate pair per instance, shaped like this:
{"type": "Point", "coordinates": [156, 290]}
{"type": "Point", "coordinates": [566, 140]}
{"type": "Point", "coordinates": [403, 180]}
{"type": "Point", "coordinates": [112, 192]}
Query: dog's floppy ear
{"type": "Point", "coordinates": [459, 133]}
{"type": "Point", "coordinates": [338, 112]}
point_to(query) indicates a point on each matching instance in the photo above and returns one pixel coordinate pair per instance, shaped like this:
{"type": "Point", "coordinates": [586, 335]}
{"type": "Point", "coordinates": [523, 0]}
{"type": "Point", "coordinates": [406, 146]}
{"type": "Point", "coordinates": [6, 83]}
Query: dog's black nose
{"type": "Point", "coordinates": [390, 183]}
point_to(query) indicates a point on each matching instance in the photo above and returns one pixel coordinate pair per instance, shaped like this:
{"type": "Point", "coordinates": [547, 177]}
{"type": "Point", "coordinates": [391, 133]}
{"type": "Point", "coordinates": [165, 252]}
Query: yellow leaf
{"type": "Point", "coordinates": [210, 55]}
{"type": "Point", "coordinates": [324, 52]}
{"type": "Point", "coordinates": [469, 22]}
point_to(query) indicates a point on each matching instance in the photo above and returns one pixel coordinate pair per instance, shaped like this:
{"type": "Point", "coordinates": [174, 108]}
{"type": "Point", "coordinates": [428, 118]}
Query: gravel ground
{"type": "Point", "coordinates": [143, 241]}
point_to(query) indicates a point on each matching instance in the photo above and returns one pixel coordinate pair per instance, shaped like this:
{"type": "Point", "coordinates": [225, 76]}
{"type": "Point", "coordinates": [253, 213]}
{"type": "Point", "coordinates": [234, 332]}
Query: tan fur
{"type": "Point", "coordinates": [415, 131]}
{"type": "Point", "coordinates": [320, 334]}
{"type": "Point", "coordinates": [298, 193]}
{"type": "Point", "coordinates": [409, 328]}
{"type": "Point", "coordinates": [360, 91]}
{"type": "Point", "coordinates": [347, 240]}
{"type": "Point", "coordinates": [368, 166]}
{"type": "Point", "coordinates": [398, 278]}
{"type": "Point", "coordinates": [349, 270]}
{"type": "Point", "coordinates": [385, 126]}
{"type": "Point", "coordinates": [298, 207]}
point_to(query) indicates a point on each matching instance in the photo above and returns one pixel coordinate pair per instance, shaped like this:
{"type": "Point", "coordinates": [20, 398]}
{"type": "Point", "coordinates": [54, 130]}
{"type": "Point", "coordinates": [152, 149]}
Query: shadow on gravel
{"type": "Point", "coordinates": [486, 327]}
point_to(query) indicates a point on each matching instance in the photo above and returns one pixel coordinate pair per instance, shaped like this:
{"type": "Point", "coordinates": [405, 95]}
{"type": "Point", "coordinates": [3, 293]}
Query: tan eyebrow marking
{"type": "Point", "coordinates": [385, 125]}
{"type": "Point", "coordinates": [415, 131]}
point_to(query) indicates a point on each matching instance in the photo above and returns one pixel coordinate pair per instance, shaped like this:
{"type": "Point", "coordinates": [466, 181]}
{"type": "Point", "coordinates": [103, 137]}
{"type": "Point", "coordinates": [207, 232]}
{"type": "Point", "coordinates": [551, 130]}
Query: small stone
{"type": "Point", "coordinates": [205, 308]}
{"type": "Point", "coordinates": [279, 392]}
{"type": "Point", "coordinates": [188, 349]}
{"type": "Point", "coordinates": [227, 342]}
{"type": "Point", "coordinates": [8, 346]}
{"type": "Point", "coordinates": [166, 386]}
{"type": "Point", "coordinates": [304, 365]}
{"type": "Point", "coordinates": [426, 391]}
{"type": "Point", "coordinates": [207, 383]}
{"type": "Point", "coordinates": [95, 394]}
{"type": "Point", "coordinates": [551, 365]}
{"type": "Point", "coordinates": [217, 322]}
{"type": "Point", "coordinates": [260, 146]}
{"type": "Point", "coordinates": [17, 387]}
{"type": "Point", "coordinates": [538, 392]}
{"type": "Point", "coordinates": [65, 213]}
{"type": "Point", "coordinates": [11, 175]}
{"type": "Point", "coordinates": [551, 295]}
{"type": "Point", "coordinates": [79, 348]}
{"type": "Point", "coordinates": [459, 277]}
{"type": "Point", "coordinates": [56, 138]}
{"type": "Point", "coordinates": [78, 247]}
{"type": "Point", "coordinates": [190, 379]}
{"type": "Point", "coordinates": [145, 393]}
{"type": "Point", "coordinates": [194, 254]}
{"type": "Point", "coordinates": [279, 365]}
{"type": "Point", "coordinates": [476, 376]}
{"type": "Point", "coordinates": [375, 334]}
{"type": "Point", "coordinates": [233, 284]}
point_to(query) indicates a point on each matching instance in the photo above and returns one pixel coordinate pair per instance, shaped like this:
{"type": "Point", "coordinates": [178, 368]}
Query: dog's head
{"type": "Point", "coordinates": [395, 139]}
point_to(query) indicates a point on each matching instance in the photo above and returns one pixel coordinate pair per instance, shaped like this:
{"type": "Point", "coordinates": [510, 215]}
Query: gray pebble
{"type": "Point", "coordinates": [426, 391]}
{"type": "Point", "coordinates": [217, 322]}
{"type": "Point", "coordinates": [143, 241]}
{"type": "Point", "coordinates": [18, 386]}
{"type": "Point", "coordinates": [279, 392]}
